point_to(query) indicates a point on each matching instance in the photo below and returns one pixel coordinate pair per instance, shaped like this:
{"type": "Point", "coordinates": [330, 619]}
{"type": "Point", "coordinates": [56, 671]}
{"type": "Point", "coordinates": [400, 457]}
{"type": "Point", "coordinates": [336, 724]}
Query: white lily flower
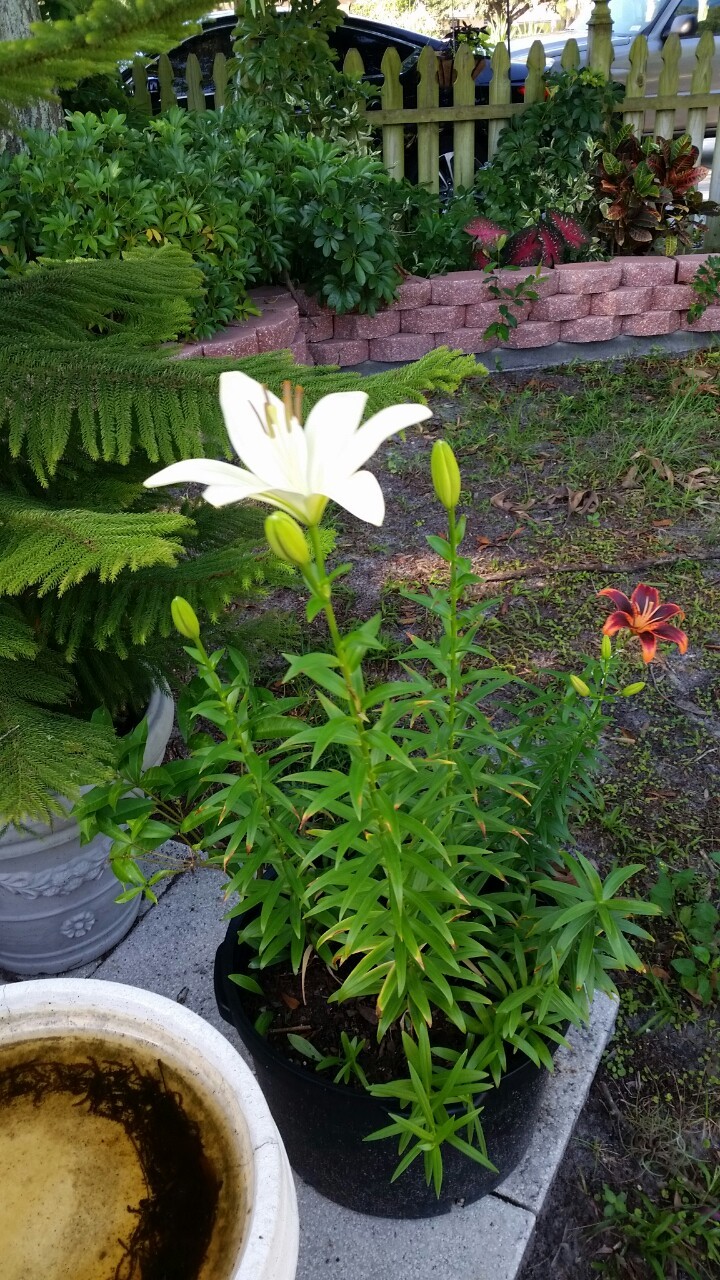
{"type": "Point", "coordinates": [296, 468]}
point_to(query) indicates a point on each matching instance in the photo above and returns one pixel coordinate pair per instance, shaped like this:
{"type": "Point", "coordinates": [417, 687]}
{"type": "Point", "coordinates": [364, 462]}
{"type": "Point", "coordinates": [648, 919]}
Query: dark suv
{"type": "Point", "coordinates": [371, 39]}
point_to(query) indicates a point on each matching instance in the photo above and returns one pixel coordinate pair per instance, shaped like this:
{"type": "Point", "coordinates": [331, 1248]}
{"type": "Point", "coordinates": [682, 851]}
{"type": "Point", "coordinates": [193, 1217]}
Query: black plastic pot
{"type": "Point", "coordinates": [323, 1125]}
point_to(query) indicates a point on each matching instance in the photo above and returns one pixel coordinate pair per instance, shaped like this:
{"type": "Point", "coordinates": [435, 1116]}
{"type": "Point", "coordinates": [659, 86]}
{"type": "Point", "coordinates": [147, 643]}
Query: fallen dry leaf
{"type": "Point", "coordinates": [662, 524]}
{"type": "Point", "coordinates": [659, 467]}
{"type": "Point", "coordinates": [581, 502]}
{"type": "Point", "coordinates": [290, 1001]}
{"type": "Point", "coordinates": [503, 503]}
{"type": "Point", "coordinates": [483, 543]}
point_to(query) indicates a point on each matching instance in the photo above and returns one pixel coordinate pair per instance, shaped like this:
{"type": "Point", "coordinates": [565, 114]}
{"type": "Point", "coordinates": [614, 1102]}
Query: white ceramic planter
{"type": "Point", "coordinates": [259, 1209]}
{"type": "Point", "coordinates": [57, 897]}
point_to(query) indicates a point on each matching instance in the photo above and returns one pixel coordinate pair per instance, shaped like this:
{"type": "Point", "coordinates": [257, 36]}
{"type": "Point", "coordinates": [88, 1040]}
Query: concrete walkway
{"type": "Point", "coordinates": [171, 950]}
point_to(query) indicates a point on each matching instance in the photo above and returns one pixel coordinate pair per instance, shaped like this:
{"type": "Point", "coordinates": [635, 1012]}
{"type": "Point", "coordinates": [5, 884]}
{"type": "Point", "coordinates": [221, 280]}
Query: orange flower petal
{"type": "Point", "coordinates": [619, 599]}
{"type": "Point", "coordinates": [645, 597]}
{"type": "Point", "coordinates": [649, 645]}
{"type": "Point", "coordinates": [617, 621]}
{"type": "Point", "coordinates": [672, 634]}
{"type": "Point", "coordinates": [665, 611]}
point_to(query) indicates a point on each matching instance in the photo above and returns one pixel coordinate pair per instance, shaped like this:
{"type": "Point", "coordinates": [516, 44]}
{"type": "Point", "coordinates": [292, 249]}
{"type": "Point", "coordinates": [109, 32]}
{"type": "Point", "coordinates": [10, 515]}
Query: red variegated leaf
{"type": "Point", "coordinates": [570, 229]}
{"type": "Point", "coordinates": [524, 248]}
{"type": "Point", "coordinates": [553, 245]}
{"type": "Point", "coordinates": [484, 230]}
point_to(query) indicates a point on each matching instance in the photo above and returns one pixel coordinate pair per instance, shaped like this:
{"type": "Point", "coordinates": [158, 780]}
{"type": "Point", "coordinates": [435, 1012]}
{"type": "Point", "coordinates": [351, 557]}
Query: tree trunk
{"type": "Point", "coordinates": [15, 19]}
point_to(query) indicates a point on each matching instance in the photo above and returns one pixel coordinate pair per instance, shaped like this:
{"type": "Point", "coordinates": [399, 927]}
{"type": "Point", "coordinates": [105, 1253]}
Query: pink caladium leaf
{"type": "Point", "coordinates": [524, 249]}
{"type": "Point", "coordinates": [553, 245]}
{"type": "Point", "coordinates": [572, 232]}
{"type": "Point", "coordinates": [485, 231]}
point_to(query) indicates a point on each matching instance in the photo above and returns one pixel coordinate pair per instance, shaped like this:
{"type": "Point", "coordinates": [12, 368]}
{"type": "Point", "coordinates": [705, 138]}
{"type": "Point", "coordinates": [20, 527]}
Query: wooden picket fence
{"type": "Point", "coordinates": [654, 114]}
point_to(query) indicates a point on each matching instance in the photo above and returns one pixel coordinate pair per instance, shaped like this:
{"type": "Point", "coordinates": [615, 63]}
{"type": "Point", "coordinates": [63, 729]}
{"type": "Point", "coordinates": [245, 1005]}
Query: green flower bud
{"type": "Point", "coordinates": [286, 539]}
{"type": "Point", "coordinates": [580, 686]}
{"type": "Point", "coordinates": [606, 648]}
{"type": "Point", "coordinates": [185, 619]}
{"type": "Point", "coordinates": [445, 474]}
{"type": "Point", "coordinates": [631, 689]}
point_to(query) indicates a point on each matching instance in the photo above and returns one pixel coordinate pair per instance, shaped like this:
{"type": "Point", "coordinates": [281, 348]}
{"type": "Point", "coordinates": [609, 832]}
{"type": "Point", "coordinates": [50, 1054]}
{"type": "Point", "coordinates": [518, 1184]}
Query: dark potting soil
{"type": "Point", "coordinates": [303, 1009]}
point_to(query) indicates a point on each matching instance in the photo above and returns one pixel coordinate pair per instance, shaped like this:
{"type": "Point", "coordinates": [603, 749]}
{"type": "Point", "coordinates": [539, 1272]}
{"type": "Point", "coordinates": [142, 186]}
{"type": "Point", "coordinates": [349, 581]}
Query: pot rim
{"type": "Point", "coordinates": [32, 1010]}
{"type": "Point", "coordinates": [32, 837]}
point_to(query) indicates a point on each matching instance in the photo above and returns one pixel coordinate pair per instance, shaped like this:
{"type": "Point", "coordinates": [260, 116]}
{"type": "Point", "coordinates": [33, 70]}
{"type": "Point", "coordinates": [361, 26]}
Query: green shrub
{"type": "Point", "coordinates": [546, 154]}
{"type": "Point", "coordinates": [246, 203]}
{"type": "Point", "coordinates": [430, 233]}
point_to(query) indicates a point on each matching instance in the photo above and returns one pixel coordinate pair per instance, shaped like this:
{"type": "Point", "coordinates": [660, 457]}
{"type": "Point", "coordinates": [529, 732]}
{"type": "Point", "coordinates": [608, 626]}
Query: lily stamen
{"type": "Point", "coordinates": [287, 395]}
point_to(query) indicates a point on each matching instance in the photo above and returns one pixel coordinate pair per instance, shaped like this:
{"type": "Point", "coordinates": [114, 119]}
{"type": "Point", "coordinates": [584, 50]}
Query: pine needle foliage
{"type": "Point", "coordinates": [59, 54]}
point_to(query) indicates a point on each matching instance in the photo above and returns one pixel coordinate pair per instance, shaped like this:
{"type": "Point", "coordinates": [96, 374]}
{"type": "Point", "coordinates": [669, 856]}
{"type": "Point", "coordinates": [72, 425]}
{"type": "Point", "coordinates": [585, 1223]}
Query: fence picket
{"type": "Point", "coordinates": [428, 95]}
{"type": "Point", "coordinates": [570, 57]}
{"type": "Point", "coordinates": [391, 97]}
{"type": "Point", "coordinates": [600, 50]}
{"type": "Point", "coordinates": [535, 83]}
{"type": "Point", "coordinates": [193, 75]}
{"type": "Point", "coordinates": [701, 81]}
{"type": "Point", "coordinates": [141, 93]}
{"type": "Point", "coordinates": [220, 79]}
{"type": "Point", "coordinates": [499, 94]}
{"type": "Point", "coordinates": [636, 82]}
{"type": "Point", "coordinates": [712, 233]}
{"type": "Point", "coordinates": [353, 66]}
{"type": "Point", "coordinates": [166, 76]}
{"type": "Point", "coordinates": [668, 85]}
{"type": "Point", "coordinates": [464, 132]}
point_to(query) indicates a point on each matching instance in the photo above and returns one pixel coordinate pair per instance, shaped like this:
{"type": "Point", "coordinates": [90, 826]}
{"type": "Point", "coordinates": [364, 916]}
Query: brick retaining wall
{"type": "Point", "coordinates": [577, 302]}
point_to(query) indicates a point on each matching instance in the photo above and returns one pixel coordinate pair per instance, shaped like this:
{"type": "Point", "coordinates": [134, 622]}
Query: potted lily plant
{"type": "Point", "coordinates": [411, 931]}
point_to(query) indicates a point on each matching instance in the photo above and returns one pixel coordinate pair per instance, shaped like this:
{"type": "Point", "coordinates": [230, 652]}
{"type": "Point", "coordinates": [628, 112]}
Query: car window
{"type": "Point", "coordinates": [710, 18]}
{"type": "Point", "coordinates": [205, 47]}
{"type": "Point", "coordinates": [370, 45]}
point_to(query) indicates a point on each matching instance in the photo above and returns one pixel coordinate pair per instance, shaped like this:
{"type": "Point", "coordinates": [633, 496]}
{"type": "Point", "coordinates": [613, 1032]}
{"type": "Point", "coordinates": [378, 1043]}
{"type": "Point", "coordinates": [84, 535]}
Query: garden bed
{"type": "Point", "coordinates": [643, 297]}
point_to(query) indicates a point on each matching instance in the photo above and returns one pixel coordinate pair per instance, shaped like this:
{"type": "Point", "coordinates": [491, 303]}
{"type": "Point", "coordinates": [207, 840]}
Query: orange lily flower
{"type": "Point", "coordinates": [645, 617]}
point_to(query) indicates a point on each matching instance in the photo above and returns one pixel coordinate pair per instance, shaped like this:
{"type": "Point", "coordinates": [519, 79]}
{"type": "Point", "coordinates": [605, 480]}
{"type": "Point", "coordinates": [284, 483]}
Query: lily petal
{"type": "Point", "coordinates": [645, 598]}
{"type": "Point", "coordinates": [380, 427]}
{"type": "Point", "coordinates": [200, 471]}
{"type": "Point", "coordinates": [619, 599]}
{"type": "Point", "coordinates": [243, 402]}
{"type": "Point", "coordinates": [665, 611]}
{"type": "Point", "coordinates": [617, 621]}
{"type": "Point", "coordinates": [673, 634]}
{"type": "Point", "coordinates": [649, 645]}
{"type": "Point", "coordinates": [329, 430]}
{"type": "Point", "coordinates": [219, 495]}
{"type": "Point", "coordinates": [361, 495]}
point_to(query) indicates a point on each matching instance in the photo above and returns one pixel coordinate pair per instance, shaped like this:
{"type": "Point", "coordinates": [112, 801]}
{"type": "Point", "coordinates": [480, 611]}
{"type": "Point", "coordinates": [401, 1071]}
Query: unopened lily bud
{"type": "Point", "coordinates": [580, 686]}
{"type": "Point", "coordinates": [286, 539]}
{"type": "Point", "coordinates": [185, 619]}
{"type": "Point", "coordinates": [445, 474]}
{"type": "Point", "coordinates": [606, 648]}
{"type": "Point", "coordinates": [631, 689]}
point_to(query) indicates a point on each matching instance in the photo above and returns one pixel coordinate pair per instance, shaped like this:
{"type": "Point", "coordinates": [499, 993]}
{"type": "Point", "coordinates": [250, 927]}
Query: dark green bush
{"type": "Point", "coordinates": [546, 155]}
{"type": "Point", "coordinates": [247, 203]}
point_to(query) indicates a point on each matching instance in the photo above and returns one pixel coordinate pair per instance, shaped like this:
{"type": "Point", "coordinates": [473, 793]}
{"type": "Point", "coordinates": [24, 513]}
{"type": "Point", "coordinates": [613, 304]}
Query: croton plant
{"type": "Point", "coordinates": [647, 189]}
